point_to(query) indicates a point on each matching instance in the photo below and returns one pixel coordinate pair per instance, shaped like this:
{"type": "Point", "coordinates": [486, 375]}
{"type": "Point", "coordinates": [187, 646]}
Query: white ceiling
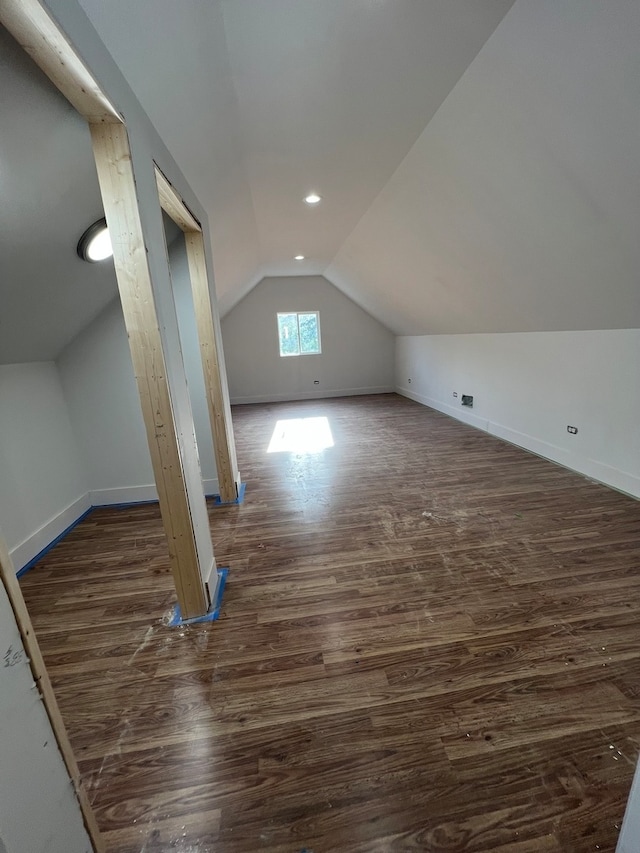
{"type": "Point", "coordinates": [518, 207]}
{"type": "Point", "coordinates": [479, 167]}
{"type": "Point", "coordinates": [174, 56]}
{"type": "Point", "coordinates": [259, 102]}
{"type": "Point", "coordinates": [331, 96]}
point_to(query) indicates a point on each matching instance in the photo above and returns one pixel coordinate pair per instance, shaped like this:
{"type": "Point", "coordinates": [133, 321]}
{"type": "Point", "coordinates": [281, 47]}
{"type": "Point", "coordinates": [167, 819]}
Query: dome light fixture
{"type": "Point", "coordinates": [299, 258]}
{"type": "Point", "coordinates": [313, 198]}
{"type": "Point", "coordinates": [95, 243]}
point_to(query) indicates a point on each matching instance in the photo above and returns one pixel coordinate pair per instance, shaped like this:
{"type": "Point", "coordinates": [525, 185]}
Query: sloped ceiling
{"type": "Point", "coordinates": [261, 102]}
{"type": "Point", "coordinates": [518, 207]}
{"type": "Point", "coordinates": [478, 159]}
{"type": "Point", "coordinates": [331, 96]}
{"type": "Point", "coordinates": [175, 57]}
{"type": "Point", "coordinates": [49, 195]}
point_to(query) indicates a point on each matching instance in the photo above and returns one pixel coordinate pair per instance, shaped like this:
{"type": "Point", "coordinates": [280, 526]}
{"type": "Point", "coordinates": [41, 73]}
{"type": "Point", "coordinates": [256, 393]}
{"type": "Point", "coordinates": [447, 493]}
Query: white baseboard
{"type": "Point", "coordinates": [599, 471]}
{"type": "Point", "coordinates": [123, 495]}
{"type": "Point", "coordinates": [603, 473]}
{"type": "Point", "coordinates": [458, 412]}
{"type": "Point", "coordinates": [46, 535]}
{"type": "Point", "coordinates": [312, 395]}
{"type": "Point", "coordinates": [40, 539]}
{"type": "Point", "coordinates": [211, 580]}
{"type": "Point", "coordinates": [138, 494]}
{"type": "Point", "coordinates": [211, 487]}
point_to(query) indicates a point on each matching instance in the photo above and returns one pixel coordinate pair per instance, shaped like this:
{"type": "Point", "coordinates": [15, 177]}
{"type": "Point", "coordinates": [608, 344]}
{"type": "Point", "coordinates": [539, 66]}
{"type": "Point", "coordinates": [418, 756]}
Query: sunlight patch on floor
{"type": "Point", "coordinates": [301, 435]}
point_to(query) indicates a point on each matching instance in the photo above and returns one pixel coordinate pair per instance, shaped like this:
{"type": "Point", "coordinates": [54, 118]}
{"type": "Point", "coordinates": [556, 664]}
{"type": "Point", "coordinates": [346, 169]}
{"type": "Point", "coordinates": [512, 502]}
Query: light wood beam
{"type": "Point", "coordinates": [174, 206]}
{"type": "Point", "coordinates": [41, 678]}
{"type": "Point", "coordinates": [35, 31]}
{"type": "Point", "coordinates": [222, 437]}
{"type": "Point", "coordinates": [117, 184]}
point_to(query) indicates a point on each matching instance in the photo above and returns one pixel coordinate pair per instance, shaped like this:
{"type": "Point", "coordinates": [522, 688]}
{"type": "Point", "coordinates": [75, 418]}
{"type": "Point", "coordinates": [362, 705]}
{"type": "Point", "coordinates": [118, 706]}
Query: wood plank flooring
{"type": "Point", "coordinates": [430, 640]}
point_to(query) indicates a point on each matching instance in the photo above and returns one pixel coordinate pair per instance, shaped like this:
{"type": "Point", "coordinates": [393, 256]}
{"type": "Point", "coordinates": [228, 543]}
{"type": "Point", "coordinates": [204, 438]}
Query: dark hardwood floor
{"type": "Point", "coordinates": [430, 640]}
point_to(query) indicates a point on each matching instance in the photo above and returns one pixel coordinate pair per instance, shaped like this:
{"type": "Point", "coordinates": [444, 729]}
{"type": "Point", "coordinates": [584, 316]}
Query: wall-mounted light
{"type": "Point", "coordinates": [95, 243]}
{"type": "Point", "coordinates": [299, 258]}
{"type": "Point", "coordinates": [313, 198]}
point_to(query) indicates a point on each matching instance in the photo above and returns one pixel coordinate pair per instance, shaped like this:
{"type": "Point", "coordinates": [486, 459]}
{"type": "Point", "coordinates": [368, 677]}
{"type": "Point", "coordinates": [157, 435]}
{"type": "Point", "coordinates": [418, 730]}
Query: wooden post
{"type": "Point", "coordinates": [37, 32]}
{"type": "Point", "coordinates": [117, 185]}
{"type": "Point", "coordinates": [210, 365]}
{"type": "Point", "coordinates": [41, 678]}
{"type": "Point", "coordinates": [221, 429]}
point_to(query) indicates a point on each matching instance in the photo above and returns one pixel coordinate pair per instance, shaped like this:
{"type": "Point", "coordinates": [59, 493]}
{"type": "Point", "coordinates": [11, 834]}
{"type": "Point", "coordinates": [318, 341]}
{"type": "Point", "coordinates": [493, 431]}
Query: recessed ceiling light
{"type": "Point", "coordinates": [313, 198]}
{"type": "Point", "coordinates": [95, 243]}
{"type": "Point", "coordinates": [299, 258]}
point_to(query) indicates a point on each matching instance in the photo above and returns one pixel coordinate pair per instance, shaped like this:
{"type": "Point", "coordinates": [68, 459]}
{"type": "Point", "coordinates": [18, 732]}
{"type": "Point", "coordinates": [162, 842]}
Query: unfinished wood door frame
{"type": "Point", "coordinates": [43, 682]}
{"type": "Point", "coordinates": [175, 207]}
{"type": "Point", "coordinates": [35, 30]}
{"type": "Point", "coordinates": [117, 185]}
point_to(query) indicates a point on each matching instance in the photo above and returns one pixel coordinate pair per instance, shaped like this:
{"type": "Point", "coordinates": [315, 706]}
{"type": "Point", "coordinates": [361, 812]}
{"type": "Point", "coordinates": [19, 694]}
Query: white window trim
{"type": "Point", "coordinates": [297, 313]}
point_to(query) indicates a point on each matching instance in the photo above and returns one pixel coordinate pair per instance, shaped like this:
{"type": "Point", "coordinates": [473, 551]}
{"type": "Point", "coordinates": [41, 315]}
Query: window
{"type": "Point", "coordinates": [299, 333]}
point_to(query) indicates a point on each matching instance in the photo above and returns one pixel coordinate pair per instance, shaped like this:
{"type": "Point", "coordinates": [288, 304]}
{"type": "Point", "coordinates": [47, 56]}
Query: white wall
{"type": "Point", "coordinates": [104, 407]}
{"type": "Point", "coordinates": [39, 812]}
{"type": "Point", "coordinates": [42, 483]}
{"type": "Point", "coordinates": [357, 350]}
{"type": "Point", "coordinates": [527, 387]}
{"type": "Point", "coordinates": [72, 434]}
{"type": "Point", "coordinates": [100, 389]}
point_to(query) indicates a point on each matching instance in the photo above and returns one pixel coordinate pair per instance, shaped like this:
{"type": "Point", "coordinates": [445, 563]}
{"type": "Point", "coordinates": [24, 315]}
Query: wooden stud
{"type": "Point", "coordinates": [34, 30]}
{"type": "Point", "coordinates": [41, 678]}
{"type": "Point", "coordinates": [174, 206]}
{"type": "Point", "coordinates": [39, 35]}
{"type": "Point", "coordinates": [220, 426]}
{"type": "Point", "coordinates": [117, 184]}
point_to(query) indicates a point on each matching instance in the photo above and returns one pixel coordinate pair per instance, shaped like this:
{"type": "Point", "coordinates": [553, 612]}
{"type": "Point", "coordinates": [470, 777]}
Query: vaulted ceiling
{"type": "Point", "coordinates": [477, 159]}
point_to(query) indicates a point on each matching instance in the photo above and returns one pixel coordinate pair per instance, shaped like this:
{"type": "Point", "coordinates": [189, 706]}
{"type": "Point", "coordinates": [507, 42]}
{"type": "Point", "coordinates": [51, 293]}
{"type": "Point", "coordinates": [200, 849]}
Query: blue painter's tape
{"type": "Point", "coordinates": [52, 544]}
{"type": "Point", "coordinates": [217, 501]}
{"type": "Point", "coordinates": [125, 505]}
{"type": "Point", "coordinates": [214, 611]}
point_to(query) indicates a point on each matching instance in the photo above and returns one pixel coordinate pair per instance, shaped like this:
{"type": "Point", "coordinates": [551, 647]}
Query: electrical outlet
{"type": "Point", "coordinates": [455, 393]}
{"type": "Point", "coordinates": [316, 381]}
{"type": "Point", "coordinates": [573, 430]}
{"type": "Point", "coordinates": [409, 381]}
